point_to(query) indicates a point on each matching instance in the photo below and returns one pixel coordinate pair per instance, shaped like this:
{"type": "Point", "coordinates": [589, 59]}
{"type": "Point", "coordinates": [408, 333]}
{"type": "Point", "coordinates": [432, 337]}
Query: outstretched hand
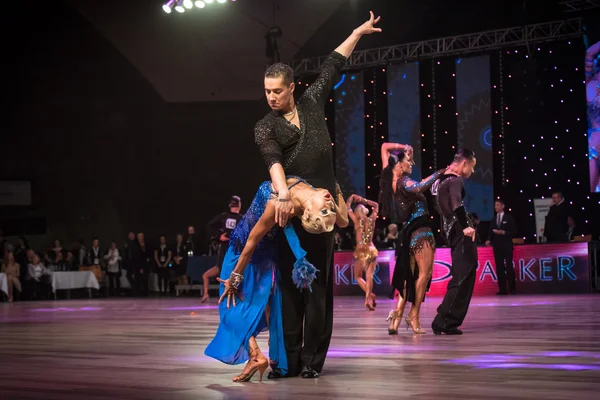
{"type": "Point", "coordinates": [230, 293]}
{"type": "Point", "coordinates": [369, 27]}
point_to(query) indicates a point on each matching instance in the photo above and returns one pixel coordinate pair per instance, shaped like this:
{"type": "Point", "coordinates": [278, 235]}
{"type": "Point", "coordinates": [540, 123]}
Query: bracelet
{"type": "Point", "coordinates": [235, 280]}
{"type": "Point", "coordinates": [280, 200]}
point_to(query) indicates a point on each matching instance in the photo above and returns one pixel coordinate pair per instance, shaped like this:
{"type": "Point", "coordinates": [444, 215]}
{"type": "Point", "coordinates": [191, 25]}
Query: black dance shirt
{"type": "Point", "coordinates": [449, 192]}
{"type": "Point", "coordinates": [304, 152]}
{"type": "Point", "coordinates": [223, 223]}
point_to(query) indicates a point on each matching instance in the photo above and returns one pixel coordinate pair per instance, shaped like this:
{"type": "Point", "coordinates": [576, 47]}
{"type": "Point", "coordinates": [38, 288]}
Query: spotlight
{"type": "Point", "coordinates": [200, 4]}
{"type": "Point", "coordinates": [168, 6]}
{"type": "Point", "coordinates": [209, 1]}
{"type": "Point", "coordinates": [179, 7]}
{"type": "Point", "coordinates": [221, 1]}
{"type": "Point", "coordinates": [188, 4]}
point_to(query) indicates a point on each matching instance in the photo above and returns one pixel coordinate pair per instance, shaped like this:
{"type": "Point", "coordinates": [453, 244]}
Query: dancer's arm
{"type": "Point", "coordinates": [367, 28]}
{"type": "Point", "coordinates": [457, 205]}
{"type": "Point", "coordinates": [353, 198]}
{"type": "Point", "coordinates": [341, 209]}
{"type": "Point", "coordinates": [424, 185]}
{"type": "Point", "coordinates": [262, 227]}
{"type": "Point", "coordinates": [387, 148]}
{"type": "Point", "coordinates": [211, 227]}
{"type": "Point", "coordinates": [374, 209]}
{"type": "Point", "coordinates": [265, 138]}
{"type": "Point", "coordinates": [590, 54]}
{"type": "Point", "coordinates": [320, 89]}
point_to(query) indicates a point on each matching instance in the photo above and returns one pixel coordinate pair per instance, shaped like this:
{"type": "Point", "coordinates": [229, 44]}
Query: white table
{"type": "Point", "coordinates": [3, 283]}
{"type": "Point", "coordinates": [73, 280]}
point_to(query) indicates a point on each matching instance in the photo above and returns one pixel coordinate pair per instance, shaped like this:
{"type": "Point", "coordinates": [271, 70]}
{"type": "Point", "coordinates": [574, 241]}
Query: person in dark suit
{"type": "Point", "coordinates": [556, 226]}
{"type": "Point", "coordinates": [503, 229]}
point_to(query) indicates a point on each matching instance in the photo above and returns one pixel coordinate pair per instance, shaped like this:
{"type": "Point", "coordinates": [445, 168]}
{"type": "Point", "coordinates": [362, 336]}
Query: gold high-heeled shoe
{"type": "Point", "coordinates": [415, 324]}
{"type": "Point", "coordinates": [394, 318]}
{"type": "Point", "coordinates": [260, 366]}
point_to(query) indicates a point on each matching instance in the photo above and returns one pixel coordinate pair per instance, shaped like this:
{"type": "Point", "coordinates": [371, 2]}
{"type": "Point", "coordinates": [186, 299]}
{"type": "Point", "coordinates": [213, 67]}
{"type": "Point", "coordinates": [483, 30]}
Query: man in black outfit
{"type": "Point", "coordinates": [457, 230]}
{"type": "Point", "coordinates": [503, 230]}
{"type": "Point", "coordinates": [221, 225]}
{"type": "Point", "coordinates": [293, 139]}
{"type": "Point", "coordinates": [556, 226]}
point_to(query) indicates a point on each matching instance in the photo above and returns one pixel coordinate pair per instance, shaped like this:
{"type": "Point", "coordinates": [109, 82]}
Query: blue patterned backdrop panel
{"type": "Point", "coordinates": [473, 104]}
{"type": "Point", "coordinates": [349, 148]}
{"type": "Point", "coordinates": [404, 113]}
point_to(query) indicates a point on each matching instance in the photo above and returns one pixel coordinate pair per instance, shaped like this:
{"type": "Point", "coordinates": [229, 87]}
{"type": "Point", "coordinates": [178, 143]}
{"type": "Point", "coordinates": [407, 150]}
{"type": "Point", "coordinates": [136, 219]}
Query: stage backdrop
{"type": "Point", "coordinates": [350, 133]}
{"type": "Point", "coordinates": [404, 109]}
{"type": "Point", "coordinates": [540, 269]}
{"type": "Point", "coordinates": [474, 131]}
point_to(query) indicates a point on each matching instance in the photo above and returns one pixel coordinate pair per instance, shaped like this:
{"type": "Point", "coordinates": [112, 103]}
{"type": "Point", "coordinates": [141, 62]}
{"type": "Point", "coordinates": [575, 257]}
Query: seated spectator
{"type": "Point", "coordinates": [392, 236]}
{"type": "Point", "coordinates": [12, 271]}
{"type": "Point", "coordinates": [38, 278]}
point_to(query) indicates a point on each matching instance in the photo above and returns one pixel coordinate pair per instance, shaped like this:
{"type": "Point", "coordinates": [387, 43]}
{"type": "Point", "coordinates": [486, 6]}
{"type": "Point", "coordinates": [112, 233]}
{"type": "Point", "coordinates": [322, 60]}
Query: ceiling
{"type": "Point", "coordinates": [211, 54]}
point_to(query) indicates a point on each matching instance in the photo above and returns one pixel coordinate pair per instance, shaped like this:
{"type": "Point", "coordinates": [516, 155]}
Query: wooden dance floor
{"type": "Point", "coordinates": [518, 347]}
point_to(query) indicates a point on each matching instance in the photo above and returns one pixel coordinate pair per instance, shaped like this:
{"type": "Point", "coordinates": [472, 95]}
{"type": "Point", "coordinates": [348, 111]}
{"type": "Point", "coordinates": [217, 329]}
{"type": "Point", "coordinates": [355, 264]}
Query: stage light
{"type": "Point", "coordinates": [167, 7]}
{"type": "Point", "coordinates": [208, 1]}
{"type": "Point", "coordinates": [188, 4]}
{"type": "Point", "coordinates": [179, 7]}
{"type": "Point", "coordinates": [200, 4]}
{"type": "Point", "coordinates": [221, 1]}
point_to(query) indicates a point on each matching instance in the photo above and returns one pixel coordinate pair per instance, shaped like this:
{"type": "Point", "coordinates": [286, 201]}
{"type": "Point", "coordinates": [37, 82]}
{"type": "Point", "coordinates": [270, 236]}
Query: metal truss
{"type": "Point", "coordinates": [579, 5]}
{"type": "Point", "coordinates": [452, 45]}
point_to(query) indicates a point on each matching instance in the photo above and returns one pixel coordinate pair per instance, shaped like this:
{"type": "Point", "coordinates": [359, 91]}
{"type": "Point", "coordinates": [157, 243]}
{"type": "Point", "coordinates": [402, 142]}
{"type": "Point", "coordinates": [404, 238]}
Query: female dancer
{"type": "Point", "coordinates": [402, 200]}
{"type": "Point", "coordinates": [365, 253]}
{"type": "Point", "coordinates": [592, 79]}
{"type": "Point", "coordinates": [253, 243]}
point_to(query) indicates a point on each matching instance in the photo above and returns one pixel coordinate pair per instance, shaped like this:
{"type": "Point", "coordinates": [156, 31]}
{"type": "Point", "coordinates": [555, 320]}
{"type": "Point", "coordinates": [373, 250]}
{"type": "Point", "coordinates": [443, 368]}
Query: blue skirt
{"type": "Point", "coordinates": [238, 324]}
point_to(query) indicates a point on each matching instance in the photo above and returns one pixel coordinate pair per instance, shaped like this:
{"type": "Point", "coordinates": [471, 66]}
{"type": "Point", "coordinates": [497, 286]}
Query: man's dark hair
{"type": "Point", "coordinates": [500, 201]}
{"type": "Point", "coordinates": [464, 154]}
{"type": "Point", "coordinates": [280, 70]}
{"type": "Point", "coordinates": [560, 194]}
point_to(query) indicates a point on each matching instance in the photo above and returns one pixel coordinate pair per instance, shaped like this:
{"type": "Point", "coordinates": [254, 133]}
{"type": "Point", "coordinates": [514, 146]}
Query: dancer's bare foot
{"type": "Point", "coordinates": [204, 298]}
{"type": "Point", "coordinates": [374, 299]}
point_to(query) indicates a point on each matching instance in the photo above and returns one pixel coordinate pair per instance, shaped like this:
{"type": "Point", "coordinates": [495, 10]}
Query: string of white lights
{"type": "Point", "coordinates": [181, 5]}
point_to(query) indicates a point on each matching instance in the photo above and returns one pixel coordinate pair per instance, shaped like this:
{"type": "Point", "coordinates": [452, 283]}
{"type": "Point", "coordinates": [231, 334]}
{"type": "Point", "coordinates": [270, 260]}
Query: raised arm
{"type": "Point", "coordinates": [367, 28]}
{"type": "Point", "coordinates": [342, 210]}
{"type": "Point", "coordinates": [264, 136]}
{"type": "Point", "coordinates": [353, 198]}
{"type": "Point", "coordinates": [424, 185]}
{"type": "Point", "coordinates": [387, 148]}
{"type": "Point", "coordinates": [320, 89]}
{"type": "Point", "coordinates": [590, 54]}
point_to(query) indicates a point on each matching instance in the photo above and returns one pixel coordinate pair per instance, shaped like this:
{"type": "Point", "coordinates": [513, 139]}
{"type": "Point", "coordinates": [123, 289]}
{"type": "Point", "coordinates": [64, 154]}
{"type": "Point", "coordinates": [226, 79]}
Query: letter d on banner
{"type": "Point", "coordinates": [541, 207]}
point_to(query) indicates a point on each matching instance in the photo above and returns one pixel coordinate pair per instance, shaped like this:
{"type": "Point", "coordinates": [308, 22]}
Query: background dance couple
{"type": "Point", "coordinates": [403, 202]}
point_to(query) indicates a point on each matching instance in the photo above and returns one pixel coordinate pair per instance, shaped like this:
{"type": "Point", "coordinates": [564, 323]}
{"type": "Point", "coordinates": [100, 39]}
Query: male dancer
{"type": "Point", "coordinates": [458, 232]}
{"type": "Point", "coordinates": [223, 224]}
{"type": "Point", "coordinates": [293, 140]}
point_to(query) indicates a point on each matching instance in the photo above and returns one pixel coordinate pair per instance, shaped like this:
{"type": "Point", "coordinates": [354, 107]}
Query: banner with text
{"type": "Point", "coordinates": [539, 269]}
